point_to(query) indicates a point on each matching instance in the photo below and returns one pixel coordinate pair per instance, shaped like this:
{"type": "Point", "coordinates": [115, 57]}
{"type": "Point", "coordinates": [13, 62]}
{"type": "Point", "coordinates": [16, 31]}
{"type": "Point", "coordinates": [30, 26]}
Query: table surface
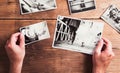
{"type": "Point", "coordinates": [40, 56]}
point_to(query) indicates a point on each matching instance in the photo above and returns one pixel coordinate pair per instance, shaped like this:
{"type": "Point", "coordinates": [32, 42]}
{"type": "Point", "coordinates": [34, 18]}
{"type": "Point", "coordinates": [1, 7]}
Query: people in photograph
{"type": "Point", "coordinates": [117, 20]}
{"type": "Point", "coordinates": [30, 34]}
{"type": "Point", "coordinates": [83, 26]}
{"type": "Point", "coordinates": [97, 38]}
{"type": "Point", "coordinates": [44, 6]}
{"type": "Point", "coordinates": [83, 44]}
{"type": "Point", "coordinates": [90, 36]}
{"type": "Point", "coordinates": [73, 25]}
{"type": "Point", "coordinates": [102, 56]}
{"type": "Point", "coordinates": [32, 4]}
{"type": "Point", "coordinates": [35, 5]}
{"type": "Point", "coordinates": [113, 13]}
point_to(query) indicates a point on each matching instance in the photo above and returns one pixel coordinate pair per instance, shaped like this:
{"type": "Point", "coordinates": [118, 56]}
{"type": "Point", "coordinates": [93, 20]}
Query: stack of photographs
{"type": "Point", "coordinates": [31, 6]}
{"type": "Point", "coordinates": [77, 35]}
{"type": "Point", "coordinates": [112, 17]}
{"type": "Point", "coordinates": [76, 6]}
{"type": "Point", "coordinates": [35, 32]}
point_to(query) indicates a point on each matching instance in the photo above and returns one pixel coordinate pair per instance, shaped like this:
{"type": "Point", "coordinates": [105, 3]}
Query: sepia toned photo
{"type": "Point", "coordinates": [77, 35]}
{"type": "Point", "coordinates": [31, 6]}
{"type": "Point", "coordinates": [76, 6]}
{"type": "Point", "coordinates": [112, 17]}
{"type": "Point", "coordinates": [35, 32]}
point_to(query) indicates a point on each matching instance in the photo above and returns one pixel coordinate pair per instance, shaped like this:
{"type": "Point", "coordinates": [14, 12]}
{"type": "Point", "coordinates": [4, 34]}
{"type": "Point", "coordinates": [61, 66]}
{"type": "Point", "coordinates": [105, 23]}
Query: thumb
{"type": "Point", "coordinates": [22, 41]}
{"type": "Point", "coordinates": [99, 46]}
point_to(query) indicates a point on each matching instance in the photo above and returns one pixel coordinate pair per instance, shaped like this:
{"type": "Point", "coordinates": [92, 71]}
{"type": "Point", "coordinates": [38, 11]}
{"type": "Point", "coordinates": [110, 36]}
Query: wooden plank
{"type": "Point", "coordinates": [7, 25]}
{"type": "Point", "coordinates": [12, 10]}
{"type": "Point", "coordinates": [13, 1]}
{"type": "Point", "coordinates": [3, 1]}
{"type": "Point", "coordinates": [108, 30]}
{"type": "Point", "coordinates": [6, 28]}
{"type": "Point", "coordinates": [115, 64]}
{"type": "Point", "coordinates": [42, 58]}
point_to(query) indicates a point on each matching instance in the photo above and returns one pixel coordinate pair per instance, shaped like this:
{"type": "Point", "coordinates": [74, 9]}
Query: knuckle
{"type": "Point", "coordinates": [12, 35]}
{"type": "Point", "coordinates": [109, 44]}
{"type": "Point", "coordinates": [96, 53]}
{"type": "Point", "coordinates": [113, 55]}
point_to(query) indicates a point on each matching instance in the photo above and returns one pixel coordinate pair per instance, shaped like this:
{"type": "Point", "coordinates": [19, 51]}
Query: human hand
{"type": "Point", "coordinates": [16, 52]}
{"type": "Point", "coordinates": [102, 56]}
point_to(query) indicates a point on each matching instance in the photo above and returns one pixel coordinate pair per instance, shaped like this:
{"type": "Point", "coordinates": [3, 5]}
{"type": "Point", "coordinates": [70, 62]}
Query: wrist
{"type": "Point", "coordinates": [16, 67]}
{"type": "Point", "coordinates": [16, 61]}
{"type": "Point", "coordinates": [98, 70]}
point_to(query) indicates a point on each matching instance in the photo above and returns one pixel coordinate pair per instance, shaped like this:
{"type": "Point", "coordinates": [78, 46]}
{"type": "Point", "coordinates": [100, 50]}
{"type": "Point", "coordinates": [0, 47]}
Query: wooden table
{"type": "Point", "coordinates": [40, 56]}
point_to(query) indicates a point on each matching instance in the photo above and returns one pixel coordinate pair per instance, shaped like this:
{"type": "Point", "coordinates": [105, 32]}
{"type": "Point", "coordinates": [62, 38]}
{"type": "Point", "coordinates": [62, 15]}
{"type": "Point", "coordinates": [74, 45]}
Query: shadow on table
{"type": "Point", "coordinates": [88, 64]}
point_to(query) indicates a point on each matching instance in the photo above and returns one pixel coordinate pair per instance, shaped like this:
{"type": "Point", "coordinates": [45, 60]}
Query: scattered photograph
{"type": "Point", "coordinates": [112, 17]}
{"type": "Point", "coordinates": [35, 32]}
{"type": "Point", "coordinates": [31, 6]}
{"type": "Point", "coordinates": [77, 35]}
{"type": "Point", "coordinates": [76, 6]}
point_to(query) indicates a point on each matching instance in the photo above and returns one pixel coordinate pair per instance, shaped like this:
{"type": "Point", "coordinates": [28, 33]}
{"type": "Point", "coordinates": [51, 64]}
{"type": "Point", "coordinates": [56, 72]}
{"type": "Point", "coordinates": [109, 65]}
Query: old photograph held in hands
{"type": "Point", "coordinates": [112, 17]}
{"type": "Point", "coordinates": [31, 6]}
{"type": "Point", "coordinates": [76, 6]}
{"type": "Point", "coordinates": [35, 32]}
{"type": "Point", "coordinates": [77, 35]}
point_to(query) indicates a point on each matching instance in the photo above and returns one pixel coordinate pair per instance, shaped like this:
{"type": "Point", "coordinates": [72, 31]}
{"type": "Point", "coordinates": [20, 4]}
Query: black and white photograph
{"type": "Point", "coordinates": [77, 35]}
{"type": "Point", "coordinates": [35, 32]}
{"type": "Point", "coordinates": [112, 17]}
{"type": "Point", "coordinates": [31, 6]}
{"type": "Point", "coordinates": [76, 6]}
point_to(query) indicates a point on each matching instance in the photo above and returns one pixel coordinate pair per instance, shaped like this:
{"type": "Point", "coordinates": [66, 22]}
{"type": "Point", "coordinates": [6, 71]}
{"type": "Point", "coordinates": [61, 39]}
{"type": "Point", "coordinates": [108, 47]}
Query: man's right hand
{"type": "Point", "coordinates": [102, 56]}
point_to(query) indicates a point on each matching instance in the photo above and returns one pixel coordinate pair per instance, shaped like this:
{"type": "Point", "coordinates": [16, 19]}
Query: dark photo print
{"type": "Point", "coordinates": [76, 6]}
{"type": "Point", "coordinates": [35, 32]}
{"type": "Point", "coordinates": [112, 17]}
{"type": "Point", "coordinates": [31, 6]}
{"type": "Point", "coordinates": [77, 35]}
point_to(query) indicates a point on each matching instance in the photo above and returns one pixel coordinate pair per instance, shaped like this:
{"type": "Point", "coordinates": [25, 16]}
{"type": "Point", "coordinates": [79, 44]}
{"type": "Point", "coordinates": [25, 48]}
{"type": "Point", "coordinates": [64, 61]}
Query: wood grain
{"type": "Point", "coordinates": [40, 56]}
{"type": "Point", "coordinates": [11, 10]}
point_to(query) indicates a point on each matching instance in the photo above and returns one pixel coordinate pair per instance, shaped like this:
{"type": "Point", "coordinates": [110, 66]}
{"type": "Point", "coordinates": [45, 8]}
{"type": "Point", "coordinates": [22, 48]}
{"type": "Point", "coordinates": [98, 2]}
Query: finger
{"type": "Point", "coordinates": [113, 54]}
{"type": "Point", "coordinates": [6, 45]}
{"type": "Point", "coordinates": [14, 38]}
{"type": "Point", "coordinates": [110, 55]}
{"type": "Point", "coordinates": [7, 42]}
{"type": "Point", "coordinates": [99, 46]}
{"type": "Point", "coordinates": [22, 41]}
{"type": "Point", "coordinates": [107, 44]}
